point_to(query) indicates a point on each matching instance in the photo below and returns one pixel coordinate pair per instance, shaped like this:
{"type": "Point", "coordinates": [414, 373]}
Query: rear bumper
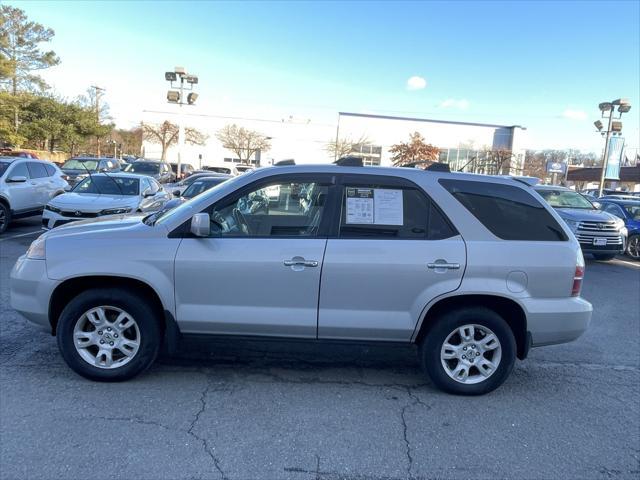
{"type": "Point", "coordinates": [556, 320]}
{"type": "Point", "coordinates": [30, 290]}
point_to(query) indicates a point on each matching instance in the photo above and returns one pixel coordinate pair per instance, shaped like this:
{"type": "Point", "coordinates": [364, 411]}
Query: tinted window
{"type": "Point", "coordinates": [279, 209]}
{"type": "Point", "coordinates": [509, 212]}
{"type": "Point", "coordinates": [3, 167]}
{"type": "Point", "coordinates": [50, 169]}
{"type": "Point", "coordinates": [37, 170]}
{"type": "Point", "coordinates": [378, 211]}
{"type": "Point", "coordinates": [142, 167]}
{"type": "Point", "coordinates": [19, 170]}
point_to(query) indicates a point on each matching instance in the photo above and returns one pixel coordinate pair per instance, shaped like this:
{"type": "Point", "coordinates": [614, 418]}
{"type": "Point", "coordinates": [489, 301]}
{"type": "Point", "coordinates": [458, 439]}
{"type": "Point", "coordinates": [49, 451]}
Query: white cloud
{"type": "Point", "coordinates": [460, 104]}
{"type": "Point", "coordinates": [416, 83]}
{"type": "Point", "coordinates": [574, 114]}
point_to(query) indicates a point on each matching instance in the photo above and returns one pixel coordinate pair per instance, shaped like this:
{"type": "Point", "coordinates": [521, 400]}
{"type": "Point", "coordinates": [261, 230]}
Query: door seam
{"type": "Point", "coordinates": [326, 242]}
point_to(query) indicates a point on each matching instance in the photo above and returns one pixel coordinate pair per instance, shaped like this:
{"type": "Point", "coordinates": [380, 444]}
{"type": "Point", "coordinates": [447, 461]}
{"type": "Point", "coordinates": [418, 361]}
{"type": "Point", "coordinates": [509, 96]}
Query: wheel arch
{"type": "Point", "coordinates": [72, 287]}
{"type": "Point", "coordinates": [507, 308]}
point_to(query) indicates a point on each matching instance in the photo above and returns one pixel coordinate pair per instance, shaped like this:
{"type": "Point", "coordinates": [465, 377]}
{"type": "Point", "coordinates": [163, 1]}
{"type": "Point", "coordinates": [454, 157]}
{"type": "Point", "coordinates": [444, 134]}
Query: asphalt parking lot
{"type": "Point", "coordinates": [240, 410]}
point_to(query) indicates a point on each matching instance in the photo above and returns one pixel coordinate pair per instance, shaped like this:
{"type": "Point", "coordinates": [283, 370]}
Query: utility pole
{"type": "Point", "coordinates": [98, 91]}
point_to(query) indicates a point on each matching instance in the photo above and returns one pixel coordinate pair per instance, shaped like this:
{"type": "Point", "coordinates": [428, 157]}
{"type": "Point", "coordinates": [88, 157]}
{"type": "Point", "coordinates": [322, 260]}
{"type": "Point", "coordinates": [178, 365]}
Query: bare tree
{"type": "Point", "coordinates": [342, 147]}
{"type": "Point", "coordinates": [243, 142]}
{"type": "Point", "coordinates": [496, 161]}
{"type": "Point", "coordinates": [166, 134]}
{"type": "Point", "coordinates": [414, 152]}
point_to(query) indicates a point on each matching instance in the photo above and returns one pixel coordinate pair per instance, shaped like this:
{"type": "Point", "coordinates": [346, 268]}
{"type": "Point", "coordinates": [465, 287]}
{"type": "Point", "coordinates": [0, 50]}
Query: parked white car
{"type": "Point", "coordinates": [26, 185]}
{"type": "Point", "coordinates": [105, 194]}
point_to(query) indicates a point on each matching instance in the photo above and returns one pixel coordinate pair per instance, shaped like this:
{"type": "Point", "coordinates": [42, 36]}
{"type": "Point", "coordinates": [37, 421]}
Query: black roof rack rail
{"type": "Point", "coordinates": [284, 163]}
{"type": "Point", "coordinates": [438, 167]}
{"type": "Point", "coordinates": [349, 161]}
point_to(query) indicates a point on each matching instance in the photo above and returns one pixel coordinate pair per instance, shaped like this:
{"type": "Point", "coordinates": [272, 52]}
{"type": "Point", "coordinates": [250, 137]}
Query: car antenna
{"type": "Point", "coordinates": [114, 181]}
{"type": "Point", "coordinates": [89, 172]}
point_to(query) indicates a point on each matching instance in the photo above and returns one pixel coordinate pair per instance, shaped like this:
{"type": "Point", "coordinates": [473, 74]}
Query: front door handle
{"type": "Point", "coordinates": [444, 265]}
{"type": "Point", "coordinates": [300, 262]}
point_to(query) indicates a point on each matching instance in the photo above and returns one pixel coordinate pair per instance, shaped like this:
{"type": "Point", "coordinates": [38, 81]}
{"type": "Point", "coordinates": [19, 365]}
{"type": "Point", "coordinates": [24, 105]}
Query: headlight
{"type": "Point", "coordinates": [51, 208]}
{"type": "Point", "coordinates": [573, 225]}
{"type": "Point", "coordinates": [36, 250]}
{"type": "Point", "coordinates": [619, 223]}
{"type": "Point", "coordinates": [115, 211]}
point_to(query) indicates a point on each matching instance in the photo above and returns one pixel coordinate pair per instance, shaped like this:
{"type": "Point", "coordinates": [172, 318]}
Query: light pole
{"type": "Point", "coordinates": [177, 96]}
{"type": "Point", "coordinates": [613, 127]}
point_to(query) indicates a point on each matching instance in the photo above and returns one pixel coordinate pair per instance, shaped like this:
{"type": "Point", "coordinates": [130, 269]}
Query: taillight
{"type": "Point", "coordinates": [578, 276]}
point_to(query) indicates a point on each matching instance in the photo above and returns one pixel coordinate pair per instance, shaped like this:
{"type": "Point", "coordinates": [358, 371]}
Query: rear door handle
{"type": "Point", "coordinates": [448, 266]}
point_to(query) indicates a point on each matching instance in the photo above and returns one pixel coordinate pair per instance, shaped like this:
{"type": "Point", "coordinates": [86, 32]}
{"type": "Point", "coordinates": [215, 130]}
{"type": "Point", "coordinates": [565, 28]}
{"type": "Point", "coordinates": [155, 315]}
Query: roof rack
{"type": "Point", "coordinates": [283, 163]}
{"type": "Point", "coordinates": [438, 167]}
{"type": "Point", "coordinates": [349, 161]}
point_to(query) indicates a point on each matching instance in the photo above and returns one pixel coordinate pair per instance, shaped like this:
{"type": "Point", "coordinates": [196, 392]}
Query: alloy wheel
{"type": "Point", "coordinates": [633, 249]}
{"type": "Point", "coordinates": [471, 354]}
{"type": "Point", "coordinates": [106, 337]}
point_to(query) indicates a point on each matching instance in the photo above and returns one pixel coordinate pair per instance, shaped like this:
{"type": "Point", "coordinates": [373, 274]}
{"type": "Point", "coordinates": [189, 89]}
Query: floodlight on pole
{"type": "Point", "coordinates": [624, 108]}
{"type": "Point", "coordinates": [180, 71]}
{"type": "Point", "coordinates": [598, 125]}
{"type": "Point", "coordinates": [614, 127]}
{"type": "Point", "coordinates": [192, 79]}
{"type": "Point", "coordinates": [173, 96]}
{"type": "Point", "coordinates": [170, 76]}
{"type": "Point", "coordinates": [191, 98]}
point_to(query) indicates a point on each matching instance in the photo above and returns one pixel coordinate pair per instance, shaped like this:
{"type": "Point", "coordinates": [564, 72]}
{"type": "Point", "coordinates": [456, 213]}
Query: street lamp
{"type": "Point", "coordinates": [614, 127]}
{"type": "Point", "coordinates": [177, 97]}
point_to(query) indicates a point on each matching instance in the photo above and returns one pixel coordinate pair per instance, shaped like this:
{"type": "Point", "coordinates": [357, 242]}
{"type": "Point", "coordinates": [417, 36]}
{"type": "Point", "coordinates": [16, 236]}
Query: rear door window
{"type": "Point", "coordinates": [50, 169]}
{"type": "Point", "coordinates": [387, 211]}
{"type": "Point", "coordinates": [19, 170]}
{"type": "Point", "coordinates": [37, 170]}
{"type": "Point", "coordinates": [509, 212]}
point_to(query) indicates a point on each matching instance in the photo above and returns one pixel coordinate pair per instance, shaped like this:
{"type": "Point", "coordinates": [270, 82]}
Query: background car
{"type": "Point", "coordinates": [227, 168]}
{"type": "Point", "coordinates": [599, 233]}
{"type": "Point", "coordinates": [26, 185]}
{"type": "Point", "coordinates": [629, 212]}
{"type": "Point", "coordinates": [185, 170]}
{"type": "Point", "coordinates": [160, 171]}
{"type": "Point", "coordinates": [183, 184]}
{"type": "Point", "coordinates": [77, 168]}
{"type": "Point", "coordinates": [201, 184]}
{"type": "Point", "coordinates": [18, 154]}
{"type": "Point", "coordinates": [244, 168]}
{"type": "Point", "coordinates": [105, 194]}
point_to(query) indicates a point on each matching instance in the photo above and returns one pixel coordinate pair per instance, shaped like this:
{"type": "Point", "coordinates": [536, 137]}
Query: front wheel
{"type": "Point", "coordinates": [469, 351]}
{"type": "Point", "coordinates": [5, 217]}
{"type": "Point", "coordinates": [604, 257]}
{"type": "Point", "coordinates": [633, 247]}
{"type": "Point", "coordinates": [108, 334]}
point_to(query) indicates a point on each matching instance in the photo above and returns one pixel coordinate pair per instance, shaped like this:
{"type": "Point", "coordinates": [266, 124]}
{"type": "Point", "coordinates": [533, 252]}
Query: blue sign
{"type": "Point", "coordinates": [616, 147]}
{"type": "Point", "coordinates": [556, 167]}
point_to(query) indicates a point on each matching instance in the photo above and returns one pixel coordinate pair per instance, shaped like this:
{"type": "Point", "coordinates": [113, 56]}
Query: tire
{"type": "Point", "coordinates": [5, 217]}
{"type": "Point", "coordinates": [633, 247]}
{"type": "Point", "coordinates": [76, 320]}
{"type": "Point", "coordinates": [604, 256]}
{"type": "Point", "coordinates": [447, 327]}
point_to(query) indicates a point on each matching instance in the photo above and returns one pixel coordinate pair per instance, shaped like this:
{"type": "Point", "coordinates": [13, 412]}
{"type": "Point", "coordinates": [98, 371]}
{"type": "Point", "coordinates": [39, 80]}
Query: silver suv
{"type": "Point", "coordinates": [474, 270]}
{"type": "Point", "coordinates": [26, 186]}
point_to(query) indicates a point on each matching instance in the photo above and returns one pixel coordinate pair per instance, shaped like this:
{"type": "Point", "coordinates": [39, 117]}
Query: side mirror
{"type": "Point", "coordinates": [68, 188]}
{"type": "Point", "coordinates": [201, 225]}
{"type": "Point", "coordinates": [148, 193]}
{"type": "Point", "coordinates": [597, 205]}
{"type": "Point", "coordinates": [17, 179]}
{"type": "Point", "coordinates": [176, 193]}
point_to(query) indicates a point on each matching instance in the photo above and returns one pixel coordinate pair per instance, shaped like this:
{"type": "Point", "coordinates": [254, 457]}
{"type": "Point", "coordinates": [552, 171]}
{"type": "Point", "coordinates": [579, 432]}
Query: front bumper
{"type": "Point", "coordinates": [30, 290]}
{"type": "Point", "coordinates": [556, 320]}
{"type": "Point", "coordinates": [53, 219]}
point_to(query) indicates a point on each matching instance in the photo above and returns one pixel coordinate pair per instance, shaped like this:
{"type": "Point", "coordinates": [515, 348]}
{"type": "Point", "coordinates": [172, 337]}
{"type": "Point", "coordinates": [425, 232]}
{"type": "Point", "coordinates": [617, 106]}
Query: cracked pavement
{"type": "Point", "coordinates": [239, 409]}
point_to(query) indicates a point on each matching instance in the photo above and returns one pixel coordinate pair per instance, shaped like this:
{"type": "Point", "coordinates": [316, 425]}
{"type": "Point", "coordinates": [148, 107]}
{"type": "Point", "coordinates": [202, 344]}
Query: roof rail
{"type": "Point", "coordinates": [439, 167]}
{"type": "Point", "coordinates": [284, 163]}
{"type": "Point", "coordinates": [349, 161]}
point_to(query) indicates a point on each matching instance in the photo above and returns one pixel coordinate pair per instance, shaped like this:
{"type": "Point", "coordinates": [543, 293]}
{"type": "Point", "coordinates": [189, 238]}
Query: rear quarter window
{"type": "Point", "coordinates": [509, 212]}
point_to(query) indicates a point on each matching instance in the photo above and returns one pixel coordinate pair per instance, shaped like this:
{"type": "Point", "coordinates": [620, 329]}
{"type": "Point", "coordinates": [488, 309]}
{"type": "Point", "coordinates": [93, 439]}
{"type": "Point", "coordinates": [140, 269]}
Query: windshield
{"type": "Point", "coordinates": [565, 199]}
{"type": "Point", "coordinates": [633, 211]}
{"type": "Point", "coordinates": [199, 186]}
{"type": "Point", "coordinates": [108, 185]}
{"type": "Point", "coordinates": [164, 216]}
{"type": "Point", "coordinates": [3, 167]}
{"type": "Point", "coordinates": [74, 164]}
{"type": "Point", "coordinates": [219, 169]}
{"type": "Point", "coordinates": [142, 167]}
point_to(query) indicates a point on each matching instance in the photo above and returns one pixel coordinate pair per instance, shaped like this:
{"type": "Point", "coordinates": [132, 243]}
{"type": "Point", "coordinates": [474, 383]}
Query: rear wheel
{"type": "Point", "coordinates": [469, 351]}
{"type": "Point", "coordinates": [108, 335]}
{"type": "Point", "coordinates": [604, 256]}
{"type": "Point", "coordinates": [633, 247]}
{"type": "Point", "coordinates": [5, 217]}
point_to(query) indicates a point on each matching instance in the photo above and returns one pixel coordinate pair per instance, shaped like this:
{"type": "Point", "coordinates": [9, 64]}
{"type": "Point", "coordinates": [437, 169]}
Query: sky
{"type": "Point", "coordinates": [542, 65]}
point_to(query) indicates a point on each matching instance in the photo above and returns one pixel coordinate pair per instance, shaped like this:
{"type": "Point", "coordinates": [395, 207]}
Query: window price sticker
{"type": "Point", "coordinates": [379, 206]}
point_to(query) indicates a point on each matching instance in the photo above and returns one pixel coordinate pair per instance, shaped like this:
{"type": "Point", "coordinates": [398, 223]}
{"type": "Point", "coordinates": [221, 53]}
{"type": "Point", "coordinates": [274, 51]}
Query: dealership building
{"type": "Point", "coordinates": [461, 144]}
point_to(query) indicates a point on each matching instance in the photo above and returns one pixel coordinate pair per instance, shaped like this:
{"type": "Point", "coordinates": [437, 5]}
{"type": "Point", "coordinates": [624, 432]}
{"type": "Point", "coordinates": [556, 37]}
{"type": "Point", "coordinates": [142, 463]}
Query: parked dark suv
{"type": "Point", "coordinates": [160, 171]}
